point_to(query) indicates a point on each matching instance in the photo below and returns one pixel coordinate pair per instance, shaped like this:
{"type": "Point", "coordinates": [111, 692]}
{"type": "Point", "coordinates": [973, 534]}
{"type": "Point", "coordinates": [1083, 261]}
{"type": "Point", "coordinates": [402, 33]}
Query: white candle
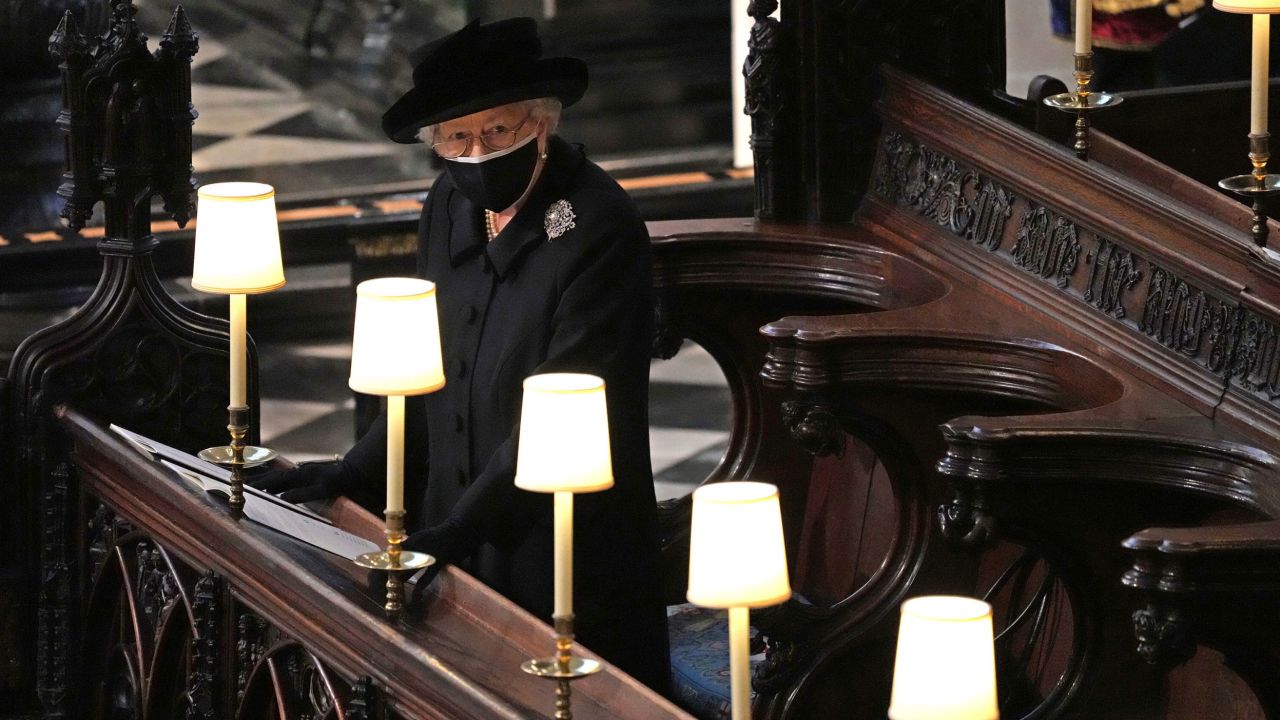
{"type": "Point", "coordinates": [1261, 73]}
{"type": "Point", "coordinates": [564, 553]}
{"type": "Point", "coordinates": [739, 663]}
{"type": "Point", "coordinates": [395, 453]}
{"type": "Point", "coordinates": [1084, 26]}
{"type": "Point", "coordinates": [237, 351]}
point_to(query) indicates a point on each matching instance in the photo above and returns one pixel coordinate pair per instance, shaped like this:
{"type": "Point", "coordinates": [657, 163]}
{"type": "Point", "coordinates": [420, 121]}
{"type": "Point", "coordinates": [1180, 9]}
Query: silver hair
{"type": "Point", "coordinates": [543, 108]}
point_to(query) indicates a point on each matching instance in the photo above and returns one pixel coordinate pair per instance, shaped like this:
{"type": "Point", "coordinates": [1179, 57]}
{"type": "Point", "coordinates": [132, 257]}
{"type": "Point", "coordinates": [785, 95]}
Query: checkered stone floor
{"type": "Point", "coordinates": [308, 412]}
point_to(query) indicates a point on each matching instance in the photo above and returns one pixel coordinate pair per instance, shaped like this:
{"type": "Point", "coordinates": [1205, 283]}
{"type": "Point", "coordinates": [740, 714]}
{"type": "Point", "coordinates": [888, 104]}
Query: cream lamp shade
{"type": "Point", "coordinates": [737, 557]}
{"type": "Point", "coordinates": [945, 667]}
{"type": "Point", "coordinates": [237, 239]}
{"type": "Point", "coordinates": [1247, 6]}
{"type": "Point", "coordinates": [395, 348]}
{"type": "Point", "coordinates": [564, 435]}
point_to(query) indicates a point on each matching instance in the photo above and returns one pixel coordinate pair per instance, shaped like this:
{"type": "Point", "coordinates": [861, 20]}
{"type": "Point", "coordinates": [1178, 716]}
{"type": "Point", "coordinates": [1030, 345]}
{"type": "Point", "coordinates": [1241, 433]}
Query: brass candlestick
{"type": "Point", "coordinates": [1082, 102]}
{"type": "Point", "coordinates": [237, 456]}
{"type": "Point", "coordinates": [395, 562]}
{"type": "Point", "coordinates": [564, 667]}
{"type": "Point", "coordinates": [1257, 186]}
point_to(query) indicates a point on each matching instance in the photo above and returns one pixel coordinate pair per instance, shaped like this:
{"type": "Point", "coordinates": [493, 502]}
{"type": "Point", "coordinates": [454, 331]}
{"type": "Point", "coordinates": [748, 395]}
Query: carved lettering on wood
{"type": "Point", "coordinates": [965, 202]}
{"type": "Point", "coordinates": [1239, 346]}
{"type": "Point", "coordinates": [1112, 273]}
{"type": "Point", "coordinates": [1047, 245]}
{"type": "Point", "coordinates": [1176, 314]}
{"type": "Point", "coordinates": [1256, 365]}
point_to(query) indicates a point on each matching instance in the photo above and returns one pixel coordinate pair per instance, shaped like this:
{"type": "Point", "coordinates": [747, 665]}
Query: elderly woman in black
{"type": "Point", "coordinates": [542, 265]}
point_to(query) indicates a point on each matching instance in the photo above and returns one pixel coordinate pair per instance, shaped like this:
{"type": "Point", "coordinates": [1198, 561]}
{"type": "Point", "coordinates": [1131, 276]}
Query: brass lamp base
{"type": "Point", "coordinates": [396, 563]}
{"type": "Point", "coordinates": [549, 667]}
{"type": "Point", "coordinates": [409, 561]}
{"type": "Point", "coordinates": [237, 455]}
{"type": "Point", "coordinates": [1256, 194]}
{"type": "Point", "coordinates": [564, 667]}
{"type": "Point", "coordinates": [225, 455]}
{"type": "Point", "coordinates": [1082, 102]}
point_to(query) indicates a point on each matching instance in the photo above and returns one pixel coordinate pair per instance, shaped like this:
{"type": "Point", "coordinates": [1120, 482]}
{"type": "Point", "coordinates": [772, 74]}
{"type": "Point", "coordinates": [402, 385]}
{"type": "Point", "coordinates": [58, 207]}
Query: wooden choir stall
{"type": "Point", "coordinates": [973, 363]}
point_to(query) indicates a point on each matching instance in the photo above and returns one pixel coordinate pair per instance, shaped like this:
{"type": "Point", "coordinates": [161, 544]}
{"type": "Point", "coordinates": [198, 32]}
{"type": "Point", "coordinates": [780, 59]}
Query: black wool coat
{"type": "Point", "coordinates": [522, 304]}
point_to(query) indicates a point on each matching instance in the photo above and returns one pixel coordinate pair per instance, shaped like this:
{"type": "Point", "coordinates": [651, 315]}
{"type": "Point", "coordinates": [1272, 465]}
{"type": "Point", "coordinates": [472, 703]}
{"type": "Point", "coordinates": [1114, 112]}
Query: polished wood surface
{"type": "Point", "coordinates": [455, 654]}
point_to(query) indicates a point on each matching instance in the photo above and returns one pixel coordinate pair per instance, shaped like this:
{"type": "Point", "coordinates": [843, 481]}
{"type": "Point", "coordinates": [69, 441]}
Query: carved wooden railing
{"type": "Point", "coordinates": [186, 612]}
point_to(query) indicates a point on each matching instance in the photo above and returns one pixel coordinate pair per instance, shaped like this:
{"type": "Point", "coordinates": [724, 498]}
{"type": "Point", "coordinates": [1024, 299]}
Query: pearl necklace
{"type": "Point", "coordinates": [490, 224]}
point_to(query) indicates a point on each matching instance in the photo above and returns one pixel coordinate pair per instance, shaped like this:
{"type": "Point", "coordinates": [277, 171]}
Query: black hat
{"type": "Point", "coordinates": [479, 67]}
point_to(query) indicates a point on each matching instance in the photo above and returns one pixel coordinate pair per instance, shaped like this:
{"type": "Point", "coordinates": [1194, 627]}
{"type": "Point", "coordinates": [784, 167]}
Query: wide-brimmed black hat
{"type": "Point", "coordinates": [479, 67]}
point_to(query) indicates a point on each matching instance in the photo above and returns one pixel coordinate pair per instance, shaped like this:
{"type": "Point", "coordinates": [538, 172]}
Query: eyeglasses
{"type": "Point", "coordinates": [500, 137]}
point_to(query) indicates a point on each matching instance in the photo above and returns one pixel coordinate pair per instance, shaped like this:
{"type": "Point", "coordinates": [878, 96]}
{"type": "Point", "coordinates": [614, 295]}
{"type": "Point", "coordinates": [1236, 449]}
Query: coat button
{"type": "Point", "coordinates": [462, 477]}
{"type": "Point", "coordinates": [459, 368]}
{"type": "Point", "coordinates": [470, 314]}
{"type": "Point", "coordinates": [458, 423]}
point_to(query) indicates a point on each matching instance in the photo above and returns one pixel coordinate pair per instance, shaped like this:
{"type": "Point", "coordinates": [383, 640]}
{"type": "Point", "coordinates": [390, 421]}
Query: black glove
{"type": "Point", "coordinates": [448, 543]}
{"type": "Point", "coordinates": [304, 483]}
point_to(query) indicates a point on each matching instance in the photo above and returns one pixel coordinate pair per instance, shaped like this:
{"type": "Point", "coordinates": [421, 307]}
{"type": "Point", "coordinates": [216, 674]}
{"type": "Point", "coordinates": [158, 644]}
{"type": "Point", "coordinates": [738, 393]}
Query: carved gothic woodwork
{"type": "Point", "coordinates": [158, 641]}
{"type": "Point", "coordinates": [130, 354]}
{"type": "Point", "coordinates": [765, 87]}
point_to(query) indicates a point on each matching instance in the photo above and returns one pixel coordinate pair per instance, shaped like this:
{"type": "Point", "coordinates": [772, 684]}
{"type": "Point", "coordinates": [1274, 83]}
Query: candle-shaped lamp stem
{"type": "Point", "coordinates": [563, 553]}
{"type": "Point", "coordinates": [1084, 26]}
{"type": "Point", "coordinates": [395, 453]}
{"type": "Point", "coordinates": [740, 662]}
{"type": "Point", "coordinates": [238, 354]}
{"type": "Point", "coordinates": [1261, 74]}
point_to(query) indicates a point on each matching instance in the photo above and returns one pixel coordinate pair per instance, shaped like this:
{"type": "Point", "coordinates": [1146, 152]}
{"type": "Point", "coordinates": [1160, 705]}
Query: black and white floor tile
{"type": "Point", "coordinates": [308, 412]}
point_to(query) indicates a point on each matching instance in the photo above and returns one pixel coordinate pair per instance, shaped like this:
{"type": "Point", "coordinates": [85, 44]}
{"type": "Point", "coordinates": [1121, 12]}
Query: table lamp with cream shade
{"type": "Point", "coordinates": [1258, 185]}
{"type": "Point", "coordinates": [395, 352]}
{"type": "Point", "coordinates": [737, 561]}
{"type": "Point", "coordinates": [563, 449]}
{"type": "Point", "coordinates": [945, 666]}
{"type": "Point", "coordinates": [237, 253]}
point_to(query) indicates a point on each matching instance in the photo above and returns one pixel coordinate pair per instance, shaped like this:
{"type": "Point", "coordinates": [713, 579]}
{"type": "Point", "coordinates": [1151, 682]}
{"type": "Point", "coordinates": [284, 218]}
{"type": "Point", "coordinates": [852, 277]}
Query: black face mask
{"type": "Point", "coordinates": [495, 181]}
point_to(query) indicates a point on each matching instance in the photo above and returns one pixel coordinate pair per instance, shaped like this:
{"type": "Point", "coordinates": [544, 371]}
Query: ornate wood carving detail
{"type": "Point", "coordinates": [1163, 634]}
{"type": "Point", "coordinates": [814, 427]}
{"type": "Point", "coordinates": [156, 585]}
{"type": "Point", "coordinates": [205, 658]}
{"type": "Point", "coordinates": [964, 202]}
{"type": "Point", "coordinates": [1112, 273]}
{"type": "Point", "coordinates": [1177, 314]}
{"type": "Point", "coordinates": [1047, 245]}
{"type": "Point", "coordinates": [1239, 346]}
{"type": "Point", "coordinates": [764, 101]}
{"type": "Point", "coordinates": [1256, 358]}
{"type": "Point", "coordinates": [146, 129]}
{"type": "Point", "coordinates": [781, 662]}
{"type": "Point", "coordinates": [251, 645]}
{"type": "Point", "coordinates": [967, 520]}
{"type": "Point", "coordinates": [54, 641]}
{"type": "Point", "coordinates": [363, 700]}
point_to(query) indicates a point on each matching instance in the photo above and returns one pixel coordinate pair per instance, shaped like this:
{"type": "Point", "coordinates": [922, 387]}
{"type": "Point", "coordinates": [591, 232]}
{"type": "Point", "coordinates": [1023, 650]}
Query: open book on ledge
{"type": "Point", "coordinates": [260, 507]}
